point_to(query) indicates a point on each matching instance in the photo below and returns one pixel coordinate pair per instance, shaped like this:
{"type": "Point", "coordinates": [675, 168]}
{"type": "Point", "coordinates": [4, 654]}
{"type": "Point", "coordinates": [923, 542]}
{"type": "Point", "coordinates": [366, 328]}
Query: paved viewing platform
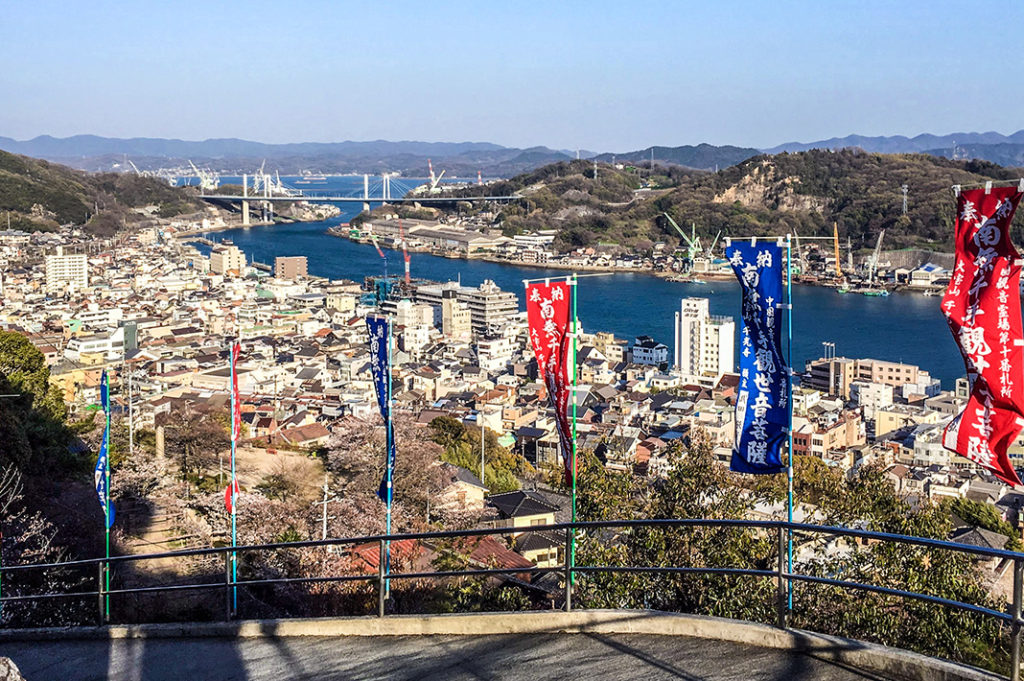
{"type": "Point", "coordinates": [550, 646]}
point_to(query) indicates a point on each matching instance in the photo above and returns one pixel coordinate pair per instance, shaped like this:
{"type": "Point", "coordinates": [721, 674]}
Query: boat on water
{"type": "Point", "coordinates": [311, 178]}
{"type": "Point", "coordinates": [875, 292]}
{"type": "Point", "coordinates": [843, 289]}
{"type": "Point", "coordinates": [933, 292]}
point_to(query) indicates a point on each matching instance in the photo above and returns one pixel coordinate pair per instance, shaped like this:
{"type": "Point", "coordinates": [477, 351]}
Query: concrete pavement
{"type": "Point", "coordinates": [546, 656]}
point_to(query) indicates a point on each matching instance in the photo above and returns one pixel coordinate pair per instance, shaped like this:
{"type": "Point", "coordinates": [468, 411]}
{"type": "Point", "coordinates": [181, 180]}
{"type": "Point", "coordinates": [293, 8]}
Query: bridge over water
{"type": "Point", "coordinates": [382, 191]}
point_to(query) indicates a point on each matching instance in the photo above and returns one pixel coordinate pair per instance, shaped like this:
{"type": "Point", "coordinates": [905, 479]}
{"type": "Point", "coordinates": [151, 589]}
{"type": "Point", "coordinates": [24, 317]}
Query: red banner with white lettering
{"type": "Point", "coordinates": [236, 415]}
{"type": "Point", "coordinates": [548, 311]}
{"type": "Point", "coordinates": [982, 306]}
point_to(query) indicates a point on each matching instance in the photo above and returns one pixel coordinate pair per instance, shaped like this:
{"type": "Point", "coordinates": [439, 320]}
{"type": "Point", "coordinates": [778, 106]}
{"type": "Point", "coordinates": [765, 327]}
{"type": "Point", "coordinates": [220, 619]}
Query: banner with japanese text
{"type": "Point", "coordinates": [100, 477]}
{"type": "Point", "coordinates": [982, 307]}
{"type": "Point", "coordinates": [380, 366]}
{"type": "Point", "coordinates": [762, 404]}
{"type": "Point", "coordinates": [548, 312]}
{"type": "Point", "coordinates": [236, 404]}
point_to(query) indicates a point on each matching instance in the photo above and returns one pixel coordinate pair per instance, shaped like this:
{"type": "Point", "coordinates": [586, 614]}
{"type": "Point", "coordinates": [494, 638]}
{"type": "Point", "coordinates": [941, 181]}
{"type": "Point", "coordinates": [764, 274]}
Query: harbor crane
{"type": "Point", "coordinates": [405, 253]}
{"type": "Point", "coordinates": [835, 242]}
{"type": "Point", "coordinates": [692, 242]}
{"type": "Point", "coordinates": [434, 181]}
{"type": "Point", "coordinates": [801, 263]}
{"type": "Point", "coordinates": [873, 262]}
{"type": "Point", "coordinates": [711, 248]}
{"type": "Point", "coordinates": [208, 180]}
{"type": "Point", "coordinates": [135, 168]}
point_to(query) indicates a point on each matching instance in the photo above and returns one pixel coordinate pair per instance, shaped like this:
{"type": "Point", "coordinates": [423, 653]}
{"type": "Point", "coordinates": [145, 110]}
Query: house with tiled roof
{"type": "Point", "coordinates": [521, 509]}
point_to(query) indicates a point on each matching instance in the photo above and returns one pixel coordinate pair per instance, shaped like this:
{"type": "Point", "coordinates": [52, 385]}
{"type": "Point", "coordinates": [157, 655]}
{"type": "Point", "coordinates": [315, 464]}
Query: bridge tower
{"type": "Point", "coordinates": [245, 204]}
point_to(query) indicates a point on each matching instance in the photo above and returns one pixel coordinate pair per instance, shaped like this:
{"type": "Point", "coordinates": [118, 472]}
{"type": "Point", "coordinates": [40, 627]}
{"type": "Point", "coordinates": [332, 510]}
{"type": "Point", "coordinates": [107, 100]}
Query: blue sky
{"type": "Point", "coordinates": [606, 76]}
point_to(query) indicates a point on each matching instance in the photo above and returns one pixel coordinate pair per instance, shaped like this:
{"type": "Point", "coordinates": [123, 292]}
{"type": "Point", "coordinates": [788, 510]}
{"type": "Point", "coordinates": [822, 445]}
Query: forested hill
{"type": "Point", "coordinates": [38, 195]}
{"type": "Point", "coordinates": [767, 194]}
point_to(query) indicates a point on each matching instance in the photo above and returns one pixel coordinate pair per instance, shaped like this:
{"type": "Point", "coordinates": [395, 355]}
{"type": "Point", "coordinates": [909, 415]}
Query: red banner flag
{"type": "Point", "coordinates": [236, 416]}
{"type": "Point", "coordinates": [548, 309]}
{"type": "Point", "coordinates": [982, 306]}
{"type": "Point", "coordinates": [229, 497]}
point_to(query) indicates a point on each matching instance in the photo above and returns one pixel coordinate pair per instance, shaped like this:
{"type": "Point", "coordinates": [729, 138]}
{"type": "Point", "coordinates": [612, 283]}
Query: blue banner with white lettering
{"type": "Point", "coordinates": [762, 405]}
{"type": "Point", "coordinates": [100, 472]}
{"type": "Point", "coordinates": [380, 365]}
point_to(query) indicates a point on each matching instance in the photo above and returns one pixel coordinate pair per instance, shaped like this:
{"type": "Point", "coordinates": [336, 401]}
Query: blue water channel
{"type": "Point", "coordinates": [905, 327]}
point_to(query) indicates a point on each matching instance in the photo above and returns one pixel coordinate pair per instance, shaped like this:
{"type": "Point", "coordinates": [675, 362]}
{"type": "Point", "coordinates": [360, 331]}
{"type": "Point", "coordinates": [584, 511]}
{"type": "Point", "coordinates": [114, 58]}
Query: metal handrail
{"type": "Point", "coordinates": [784, 577]}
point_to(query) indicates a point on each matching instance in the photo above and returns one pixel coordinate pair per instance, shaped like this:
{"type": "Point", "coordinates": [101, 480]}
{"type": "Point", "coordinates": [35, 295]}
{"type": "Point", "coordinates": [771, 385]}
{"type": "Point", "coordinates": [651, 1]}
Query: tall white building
{"type": "Point", "coordinates": [489, 306]}
{"type": "Point", "coordinates": [226, 258]}
{"type": "Point", "coordinates": [705, 344]}
{"type": "Point", "coordinates": [66, 272]}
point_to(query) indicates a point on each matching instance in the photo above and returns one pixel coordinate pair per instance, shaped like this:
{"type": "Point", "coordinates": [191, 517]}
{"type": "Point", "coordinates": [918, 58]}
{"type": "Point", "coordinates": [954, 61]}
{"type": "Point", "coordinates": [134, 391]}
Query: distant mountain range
{"type": "Point", "coordinates": [701, 157]}
{"type": "Point", "coordinates": [460, 159]}
{"type": "Point", "coordinates": [1005, 150]}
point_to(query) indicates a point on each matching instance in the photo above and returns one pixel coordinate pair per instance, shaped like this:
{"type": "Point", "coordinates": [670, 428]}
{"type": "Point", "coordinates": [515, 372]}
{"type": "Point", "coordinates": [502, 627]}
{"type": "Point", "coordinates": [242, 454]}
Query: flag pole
{"type": "Point", "coordinates": [575, 339]}
{"type": "Point", "coordinates": [789, 362]}
{"type": "Point", "coordinates": [234, 485]}
{"type": "Point", "coordinates": [106, 496]}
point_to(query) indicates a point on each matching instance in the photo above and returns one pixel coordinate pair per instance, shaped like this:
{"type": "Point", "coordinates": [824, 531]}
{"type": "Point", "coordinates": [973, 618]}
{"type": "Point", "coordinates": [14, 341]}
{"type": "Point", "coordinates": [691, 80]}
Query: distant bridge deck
{"type": "Point", "coordinates": [549, 646]}
{"type": "Point", "coordinates": [338, 198]}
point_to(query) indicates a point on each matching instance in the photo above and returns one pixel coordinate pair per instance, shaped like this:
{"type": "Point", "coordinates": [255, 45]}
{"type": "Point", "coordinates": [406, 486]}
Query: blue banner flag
{"type": "Point", "coordinates": [762, 405]}
{"type": "Point", "coordinates": [380, 364]}
{"type": "Point", "coordinates": [100, 472]}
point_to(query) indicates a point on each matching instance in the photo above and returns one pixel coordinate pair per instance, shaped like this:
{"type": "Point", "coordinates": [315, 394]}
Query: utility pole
{"type": "Point", "coordinates": [483, 437]}
{"type": "Point", "coordinates": [131, 418]}
{"type": "Point", "coordinates": [323, 529]}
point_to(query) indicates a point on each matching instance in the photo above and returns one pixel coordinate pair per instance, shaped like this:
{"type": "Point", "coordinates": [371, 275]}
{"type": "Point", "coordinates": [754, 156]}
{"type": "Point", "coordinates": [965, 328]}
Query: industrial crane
{"type": "Point", "coordinates": [208, 181]}
{"type": "Point", "coordinates": [873, 263]}
{"type": "Point", "coordinates": [708, 252]}
{"type": "Point", "coordinates": [799, 253]}
{"type": "Point", "coordinates": [405, 253]}
{"type": "Point", "coordinates": [434, 181]}
{"type": "Point", "coordinates": [692, 242]}
{"type": "Point", "coordinates": [835, 241]}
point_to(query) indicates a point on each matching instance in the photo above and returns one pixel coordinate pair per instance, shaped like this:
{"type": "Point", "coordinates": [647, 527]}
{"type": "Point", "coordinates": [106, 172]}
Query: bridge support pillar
{"type": "Point", "coordinates": [245, 212]}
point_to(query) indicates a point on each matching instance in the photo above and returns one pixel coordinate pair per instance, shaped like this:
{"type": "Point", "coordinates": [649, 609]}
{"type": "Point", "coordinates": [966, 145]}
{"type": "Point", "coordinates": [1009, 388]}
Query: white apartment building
{"type": "Point", "coordinates": [536, 240]}
{"type": "Point", "coordinates": [66, 272]}
{"type": "Point", "coordinates": [489, 306]}
{"type": "Point", "coordinates": [95, 317]}
{"type": "Point", "coordinates": [704, 344]}
{"type": "Point", "coordinates": [871, 396]}
{"type": "Point", "coordinates": [495, 354]}
{"type": "Point", "coordinates": [455, 318]}
{"type": "Point", "coordinates": [227, 258]}
{"type": "Point", "coordinates": [110, 345]}
{"type": "Point", "coordinates": [408, 313]}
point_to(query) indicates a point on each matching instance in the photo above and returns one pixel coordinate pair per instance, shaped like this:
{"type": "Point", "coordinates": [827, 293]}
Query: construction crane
{"type": "Point", "coordinates": [135, 168]}
{"type": "Point", "coordinates": [692, 242]}
{"type": "Point", "coordinates": [835, 241]}
{"type": "Point", "coordinates": [873, 263]}
{"type": "Point", "coordinates": [380, 252]}
{"type": "Point", "coordinates": [434, 181]}
{"type": "Point", "coordinates": [711, 248]}
{"type": "Point", "coordinates": [405, 253]}
{"type": "Point", "coordinates": [799, 253]}
{"type": "Point", "coordinates": [208, 181]}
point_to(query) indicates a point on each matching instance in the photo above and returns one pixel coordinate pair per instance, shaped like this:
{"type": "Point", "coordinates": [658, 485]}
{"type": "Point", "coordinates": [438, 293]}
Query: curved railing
{"type": "Point", "coordinates": [782, 530]}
